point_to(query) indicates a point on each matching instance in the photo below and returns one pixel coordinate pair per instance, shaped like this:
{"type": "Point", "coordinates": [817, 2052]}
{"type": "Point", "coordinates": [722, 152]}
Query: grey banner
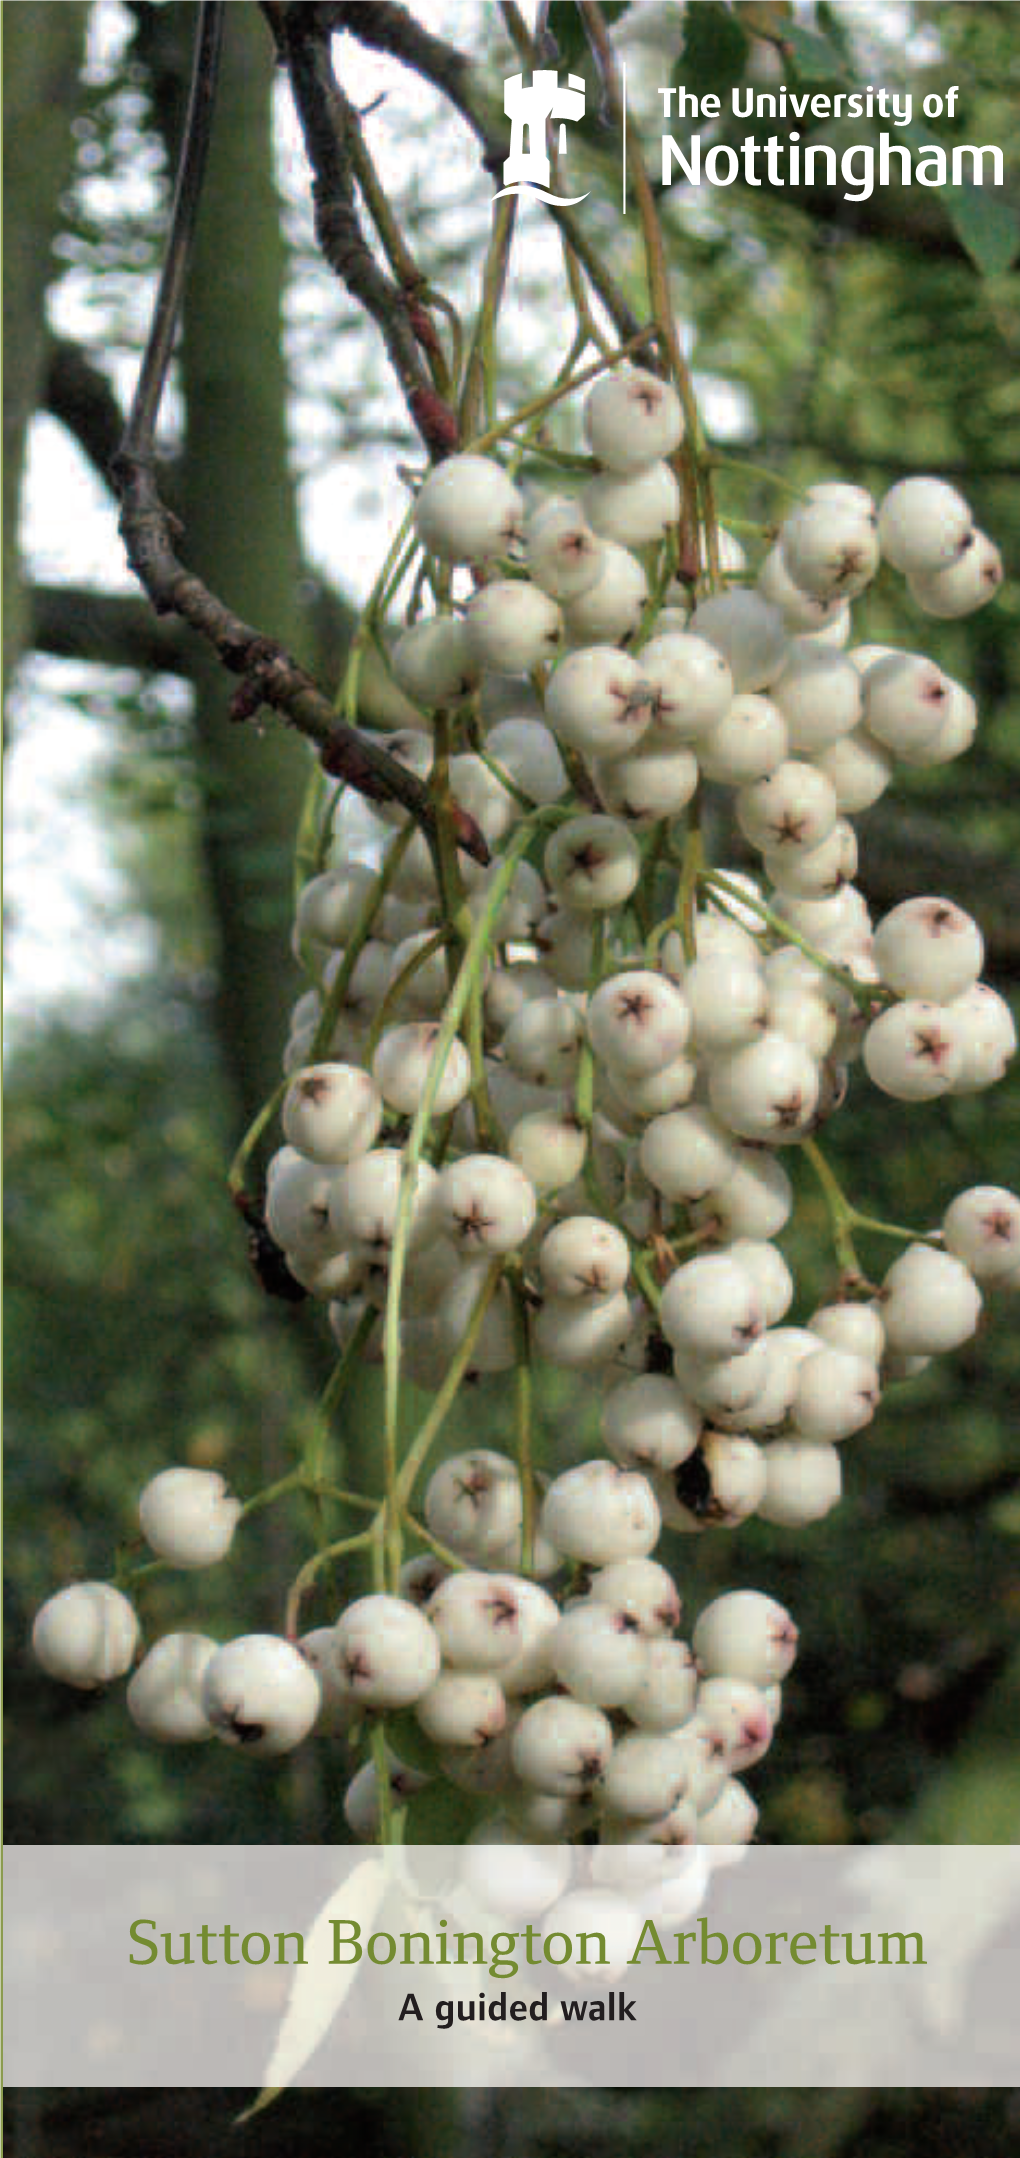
{"type": "Point", "coordinates": [515, 1965]}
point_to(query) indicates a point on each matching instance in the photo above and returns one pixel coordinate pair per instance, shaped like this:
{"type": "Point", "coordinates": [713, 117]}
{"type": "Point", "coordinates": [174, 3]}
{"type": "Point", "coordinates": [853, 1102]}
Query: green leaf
{"type": "Point", "coordinates": [814, 58]}
{"type": "Point", "coordinates": [834, 29]}
{"type": "Point", "coordinates": [567, 25]}
{"type": "Point", "coordinates": [987, 226]}
{"type": "Point", "coordinates": [714, 52]}
{"type": "Point", "coordinates": [409, 1742]}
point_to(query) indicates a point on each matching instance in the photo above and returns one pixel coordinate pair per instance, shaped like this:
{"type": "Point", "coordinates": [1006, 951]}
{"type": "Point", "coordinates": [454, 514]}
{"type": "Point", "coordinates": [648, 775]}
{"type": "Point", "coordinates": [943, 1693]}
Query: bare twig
{"type": "Point", "coordinates": [413, 283]}
{"type": "Point", "coordinates": [270, 675]}
{"type": "Point", "coordinates": [389, 27]}
{"type": "Point", "coordinates": [480, 357]}
{"type": "Point", "coordinates": [77, 393]}
{"type": "Point", "coordinates": [327, 123]}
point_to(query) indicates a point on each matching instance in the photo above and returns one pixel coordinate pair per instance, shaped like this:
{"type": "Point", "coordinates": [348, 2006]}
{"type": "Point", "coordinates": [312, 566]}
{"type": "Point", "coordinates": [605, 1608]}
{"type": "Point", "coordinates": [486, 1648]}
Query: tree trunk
{"type": "Point", "coordinates": [42, 57]}
{"type": "Point", "coordinates": [236, 499]}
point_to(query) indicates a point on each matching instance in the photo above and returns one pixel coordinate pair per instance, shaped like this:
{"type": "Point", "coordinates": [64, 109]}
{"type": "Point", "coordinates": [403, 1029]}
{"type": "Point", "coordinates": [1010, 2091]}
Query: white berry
{"type": "Point", "coordinates": [634, 509]}
{"type": "Point", "coordinates": [468, 510]}
{"type": "Point", "coordinates": [387, 1650]}
{"type": "Point", "coordinates": [962, 586]}
{"type": "Point", "coordinates": [599, 1512]}
{"type": "Point", "coordinates": [599, 700]}
{"type": "Point", "coordinates": [561, 1746]}
{"type": "Point", "coordinates": [923, 525]}
{"type": "Point", "coordinates": [648, 1424]}
{"type": "Point", "coordinates": [598, 1653]}
{"type": "Point", "coordinates": [592, 863]}
{"type": "Point", "coordinates": [803, 1482]}
{"type": "Point", "coordinates": [710, 1307]}
{"type": "Point", "coordinates": [86, 1635]}
{"type": "Point", "coordinates": [929, 948]}
{"type": "Point", "coordinates": [744, 1634]}
{"type": "Point", "coordinates": [164, 1697]}
{"type": "Point", "coordinates": [611, 608]}
{"type": "Point", "coordinates": [631, 418]}
{"type": "Point", "coordinates": [981, 1228]}
{"type": "Point", "coordinates": [930, 1302]}
{"type": "Point", "coordinates": [259, 1693]}
{"type": "Point", "coordinates": [188, 1517]}
{"type": "Point", "coordinates": [511, 626]}
{"type": "Point", "coordinates": [332, 1112]}
{"type": "Point", "coordinates": [433, 661]}
{"type": "Point", "coordinates": [750, 634]}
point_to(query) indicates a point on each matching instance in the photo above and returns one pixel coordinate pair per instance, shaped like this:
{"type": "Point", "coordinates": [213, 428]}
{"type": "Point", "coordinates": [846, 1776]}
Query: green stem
{"type": "Point", "coordinates": [125, 1576]}
{"type": "Point", "coordinates": [332, 1393]}
{"type": "Point", "coordinates": [236, 1172]}
{"type": "Point", "coordinates": [649, 1287]}
{"type": "Point", "coordinates": [433, 944]}
{"type": "Point", "coordinates": [692, 870]}
{"type": "Point", "coordinates": [841, 1213]}
{"type": "Point", "coordinates": [584, 1083]}
{"type": "Point", "coordinates": [754, 472]}
{"type": "Point", "coordinates": [456, 1005]}
{"type": "Point", "coordinates": [380, 1756]}
{"type": "Point", "coordinates": [312, 1567]}
{"type": "Point", "coordinates": [532, 427]}
{"type": "Point", "coordinates": [453, 1559]}
{"type": "Point", "coordinates": [698, 502]}
{"type": "Point", "coordinates": [295, 1481]}
{"type": "Point", "coordinates": [479, 374]}
{"type": "Point", "coordinates": [307, 858]}
{"type": "Point", "coordinates": [355, 1499]}
{"type": "Point", "coordinates": [873, 1226]}
{"type": "Point", "coordinates": [445, 307]}
{"type": "Point", "coordinates": [561, 390]}
{"type": "Point", "coordinates": [865, 994]}
{"type": "Point", "coordinates": [333, 1001]}
{"type": "Point", "coordinates": [522, 1416]}
{"type": "Point", "coordinates": [418, 1453]}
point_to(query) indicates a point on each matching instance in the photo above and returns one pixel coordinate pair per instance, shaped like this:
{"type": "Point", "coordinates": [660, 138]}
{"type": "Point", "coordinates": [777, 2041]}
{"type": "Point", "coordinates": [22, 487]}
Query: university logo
{"type": "Point", "coordinates": [527, 168]}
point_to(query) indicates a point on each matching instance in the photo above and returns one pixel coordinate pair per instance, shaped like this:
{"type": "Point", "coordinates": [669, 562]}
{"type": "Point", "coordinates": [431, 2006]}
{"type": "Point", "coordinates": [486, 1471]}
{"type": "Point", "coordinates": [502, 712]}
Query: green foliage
{"type": "Point", "coordinates": [988, 227]}
{"type": "Point", "coordinates": [566, 24]}
{"type": "Point", "coordinates": [715, 49]}
{"type": "Point", "coordinates": [816, 59]}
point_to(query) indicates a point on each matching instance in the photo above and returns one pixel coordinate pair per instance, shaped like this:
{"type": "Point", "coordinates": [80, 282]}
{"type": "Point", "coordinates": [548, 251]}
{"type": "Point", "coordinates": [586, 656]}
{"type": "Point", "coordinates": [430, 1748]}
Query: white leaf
{"type": "Point", "coordinates": [320, 1987]}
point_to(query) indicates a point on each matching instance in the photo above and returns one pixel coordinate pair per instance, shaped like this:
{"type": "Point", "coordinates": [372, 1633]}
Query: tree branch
{"type": "Point", "coordinates": [389, 27]}
{"type": "Point", "coordinates": [78, 395]}
{"type": "Point", "coordinates": [270, 675]}
{"type": "Point", "coordinates": [323, 112]}
{"type": "Point", "coordinates": [107, 628]}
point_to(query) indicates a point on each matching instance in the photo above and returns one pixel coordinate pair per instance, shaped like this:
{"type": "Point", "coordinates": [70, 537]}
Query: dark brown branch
{"type": "Point", "coordinates": [78, 395]}
{"type": "Point", "coordinates": [140, 432]}
{"type": "Point", "coordinates": [389, 27]}
{"type": "Point", "coordinates": [269, 674]}
{"type": "Point", "coordinates": [107, 628]}
{"type": "Point", "coordinates": [323, 113]}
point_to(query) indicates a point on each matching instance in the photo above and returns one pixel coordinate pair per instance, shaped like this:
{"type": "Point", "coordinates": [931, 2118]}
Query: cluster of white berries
{"type": "Point", "coordinates": [641, 1234]}
{"type": "Point", "coordinates": [574, 1715]}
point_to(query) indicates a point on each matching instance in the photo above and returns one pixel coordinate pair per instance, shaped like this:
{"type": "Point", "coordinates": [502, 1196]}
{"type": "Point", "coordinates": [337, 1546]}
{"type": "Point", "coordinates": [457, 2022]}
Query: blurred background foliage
{"type": "Point", "coordinates": [865, 340]}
